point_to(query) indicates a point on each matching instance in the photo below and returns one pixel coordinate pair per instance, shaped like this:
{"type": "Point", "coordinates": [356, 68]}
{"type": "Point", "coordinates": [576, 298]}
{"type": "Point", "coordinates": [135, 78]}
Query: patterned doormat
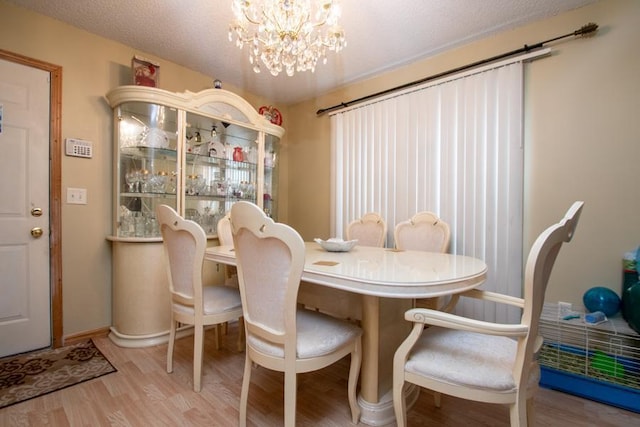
{"type": "Point", "coordinates": [30, 375]}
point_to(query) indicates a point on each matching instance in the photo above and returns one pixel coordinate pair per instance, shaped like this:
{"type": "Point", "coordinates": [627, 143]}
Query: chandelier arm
{"type": "Point", "coordinates": [279, 29]}
{"type": "Point", "coordinates": [320, 24]}
{"type": "Point", "coordinates": [301, 23]}
{"type": "Point", "coordinates": [251, 21]}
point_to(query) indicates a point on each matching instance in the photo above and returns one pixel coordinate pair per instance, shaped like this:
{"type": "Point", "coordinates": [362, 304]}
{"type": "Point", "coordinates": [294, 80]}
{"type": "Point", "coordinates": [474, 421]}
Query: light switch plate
{"type": "Point", "coordinates": [76, 196]}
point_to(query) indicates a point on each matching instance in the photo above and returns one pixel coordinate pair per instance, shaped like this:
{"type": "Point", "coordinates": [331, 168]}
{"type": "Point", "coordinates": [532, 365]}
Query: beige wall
{"type": "Point", "coordinates": [581, 142]}
{"type": "Point", "coordinates": [582, 139]}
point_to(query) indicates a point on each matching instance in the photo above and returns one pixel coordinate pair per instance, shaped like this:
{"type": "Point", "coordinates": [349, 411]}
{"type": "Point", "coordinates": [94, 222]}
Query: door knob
{"type": "Point", "coordinates": [36, 212]}
{"type": "Point", "coordinates": [36, 232]}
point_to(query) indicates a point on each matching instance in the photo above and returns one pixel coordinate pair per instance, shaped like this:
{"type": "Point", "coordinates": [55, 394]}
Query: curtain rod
{"type": "Point", "coordinates": [585, 30]}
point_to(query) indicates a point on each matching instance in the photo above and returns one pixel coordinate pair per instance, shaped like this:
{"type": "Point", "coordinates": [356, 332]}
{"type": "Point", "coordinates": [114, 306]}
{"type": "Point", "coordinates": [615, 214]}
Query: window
{"type": "Point", "coordinates": [453, 147]}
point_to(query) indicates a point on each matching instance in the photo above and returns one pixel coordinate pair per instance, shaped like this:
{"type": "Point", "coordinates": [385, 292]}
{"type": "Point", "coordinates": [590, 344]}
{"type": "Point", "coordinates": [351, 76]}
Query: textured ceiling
{"type": "Point", "coordinates": [381, 35]}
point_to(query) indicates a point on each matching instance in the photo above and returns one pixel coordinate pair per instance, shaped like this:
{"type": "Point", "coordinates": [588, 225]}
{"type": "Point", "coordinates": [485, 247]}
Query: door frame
{"type": "Point", "coordinates": [55, 187]}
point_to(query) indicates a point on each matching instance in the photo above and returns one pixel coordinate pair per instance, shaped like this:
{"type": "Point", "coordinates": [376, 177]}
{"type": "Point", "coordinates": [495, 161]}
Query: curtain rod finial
{"type": "Point", "coordinates": [587, 30]}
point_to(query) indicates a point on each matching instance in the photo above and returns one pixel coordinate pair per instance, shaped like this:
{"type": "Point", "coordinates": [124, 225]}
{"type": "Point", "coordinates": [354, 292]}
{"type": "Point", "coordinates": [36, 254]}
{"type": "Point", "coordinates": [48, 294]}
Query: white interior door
{"type": "Point", "coordinates": [25, 307]}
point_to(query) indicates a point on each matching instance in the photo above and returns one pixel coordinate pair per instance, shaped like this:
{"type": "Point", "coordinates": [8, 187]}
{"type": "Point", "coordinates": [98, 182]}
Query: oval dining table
{"type": "Point", "coordinates": [387, 280]}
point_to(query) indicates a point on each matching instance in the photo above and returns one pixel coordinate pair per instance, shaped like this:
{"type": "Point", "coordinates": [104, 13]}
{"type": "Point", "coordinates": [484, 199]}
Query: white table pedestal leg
{"type": "Point", "coordinates": [384, 329]}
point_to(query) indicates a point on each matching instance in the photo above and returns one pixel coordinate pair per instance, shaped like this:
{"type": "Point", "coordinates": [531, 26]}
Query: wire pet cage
{"type": "Point", "coordinates": [598, 362]}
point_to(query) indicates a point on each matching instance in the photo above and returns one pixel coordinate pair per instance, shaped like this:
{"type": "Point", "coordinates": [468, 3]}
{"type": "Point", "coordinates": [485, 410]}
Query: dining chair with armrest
{"type": "Point", "coordinates": [280, 336]}
{"type": "Point", "coordinates": [479, 360]}
{"type": "Point", "coordinates": [192, 303]}
{"type": "Point", "coordinates": [370, 230]}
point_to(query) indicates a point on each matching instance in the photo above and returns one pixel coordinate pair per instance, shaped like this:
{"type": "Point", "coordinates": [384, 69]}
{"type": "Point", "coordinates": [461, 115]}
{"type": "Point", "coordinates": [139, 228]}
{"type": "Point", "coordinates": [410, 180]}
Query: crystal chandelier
{"type": "Point", "coordinates": [287, 34]}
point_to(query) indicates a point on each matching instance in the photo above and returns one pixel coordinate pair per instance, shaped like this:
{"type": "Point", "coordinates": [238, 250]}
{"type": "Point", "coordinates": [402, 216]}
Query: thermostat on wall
{"type": "Point", "coordinates": [79, 148]}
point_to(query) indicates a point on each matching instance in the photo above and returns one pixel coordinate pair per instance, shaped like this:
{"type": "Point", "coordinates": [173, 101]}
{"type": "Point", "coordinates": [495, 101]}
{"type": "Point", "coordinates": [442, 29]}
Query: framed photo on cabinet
{"type": "Point", "coordinates": [145, 72]}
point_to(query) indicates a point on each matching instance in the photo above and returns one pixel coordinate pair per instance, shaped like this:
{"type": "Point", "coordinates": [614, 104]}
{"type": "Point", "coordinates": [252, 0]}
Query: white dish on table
{"type": "Point", "coordinates": [336, 245]}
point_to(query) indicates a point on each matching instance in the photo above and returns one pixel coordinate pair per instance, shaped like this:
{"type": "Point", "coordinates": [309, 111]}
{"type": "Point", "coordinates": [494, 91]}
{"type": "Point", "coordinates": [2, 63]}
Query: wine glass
{"type": "Point", "coordinates": [132, 178]}
{"type": "Point", "coordinates": [145, 183]}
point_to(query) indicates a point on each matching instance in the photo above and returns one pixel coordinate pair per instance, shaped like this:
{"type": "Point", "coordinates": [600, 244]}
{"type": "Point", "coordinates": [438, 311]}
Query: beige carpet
{"type": "Point", "coordinates": [30, 375]}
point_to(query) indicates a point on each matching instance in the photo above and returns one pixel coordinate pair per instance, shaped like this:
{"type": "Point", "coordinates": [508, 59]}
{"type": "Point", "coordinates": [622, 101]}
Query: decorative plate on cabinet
{"type": "Point", "coordinates": [272, 114]}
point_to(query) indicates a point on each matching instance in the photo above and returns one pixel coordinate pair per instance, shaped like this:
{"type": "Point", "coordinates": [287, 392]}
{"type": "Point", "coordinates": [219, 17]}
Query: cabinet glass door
{"type": "Point", "coordinates": [146, 170]}
{"type": "Point", "coordinates": [220, 168]}
{"type": "Point", "coordinates": [271, 159]}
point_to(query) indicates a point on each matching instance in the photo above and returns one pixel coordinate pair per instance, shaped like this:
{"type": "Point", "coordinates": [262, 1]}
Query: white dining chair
{"type": "Point", "coordinates": [225, 238]}
{"type": "Point", "coordinates": [223, 231]}
{"type": "Point", "coordinates": [279, 335]}
{"type": "Point", "coordinates": [424, 231]}
{"type": "Point", "coordinates": [192, 303]}
{"type": "Point", "coordinates": [483, 361]}
{"type": "Point", "coordinates": [369, 230]}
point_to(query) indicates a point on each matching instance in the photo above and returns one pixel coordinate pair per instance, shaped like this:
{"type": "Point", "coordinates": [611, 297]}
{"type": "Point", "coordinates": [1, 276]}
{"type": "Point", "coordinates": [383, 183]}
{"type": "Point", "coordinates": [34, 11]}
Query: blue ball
{"type": "Point", "coordinates": [601, 299]}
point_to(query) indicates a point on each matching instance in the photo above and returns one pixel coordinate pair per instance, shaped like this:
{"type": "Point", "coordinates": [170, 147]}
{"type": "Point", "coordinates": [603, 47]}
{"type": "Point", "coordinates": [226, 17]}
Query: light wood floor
{"type": "Point", "coordinates": [141, 393]}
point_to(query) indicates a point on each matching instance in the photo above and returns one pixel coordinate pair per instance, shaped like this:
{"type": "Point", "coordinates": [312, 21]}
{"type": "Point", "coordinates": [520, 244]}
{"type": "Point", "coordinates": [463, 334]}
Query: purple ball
{"type": "Point", "coordinates": [601, 299]}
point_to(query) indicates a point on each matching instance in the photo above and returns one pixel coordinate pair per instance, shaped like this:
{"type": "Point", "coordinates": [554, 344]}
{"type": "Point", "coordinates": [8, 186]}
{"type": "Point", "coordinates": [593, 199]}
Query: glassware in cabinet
{"type": "Point", "coordinates": [198, 152]}
{"type": "Point", "coordinates": [220, 168]}
{"type": "Point", "coordinates": [271, 176]}
{"type": "Point", "coordinates": [146, 166]}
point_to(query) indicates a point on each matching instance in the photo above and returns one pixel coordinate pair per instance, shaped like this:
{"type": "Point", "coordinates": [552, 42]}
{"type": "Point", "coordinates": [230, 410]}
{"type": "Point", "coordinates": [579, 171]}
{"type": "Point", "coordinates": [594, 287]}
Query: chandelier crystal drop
{"type": "Point", "coordinates": [287, 34]}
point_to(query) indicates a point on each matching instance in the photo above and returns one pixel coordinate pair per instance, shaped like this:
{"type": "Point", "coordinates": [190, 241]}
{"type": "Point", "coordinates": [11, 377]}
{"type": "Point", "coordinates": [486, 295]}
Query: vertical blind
{"type": "Point", "coordinates": [453, 147]}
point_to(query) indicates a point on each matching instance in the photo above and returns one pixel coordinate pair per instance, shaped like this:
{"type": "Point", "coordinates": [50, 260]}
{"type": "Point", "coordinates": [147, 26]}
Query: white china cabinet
{"type": "Point", "coordinates": [197, 152]}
